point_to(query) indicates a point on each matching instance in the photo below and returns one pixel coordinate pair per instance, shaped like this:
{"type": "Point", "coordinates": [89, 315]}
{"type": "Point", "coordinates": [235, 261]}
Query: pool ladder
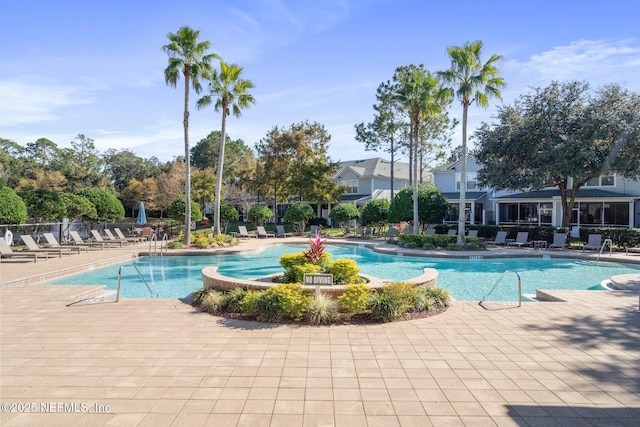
{"type": "Point", "coordinates": [607, 242]}
{"type": "Point", "coordinates": [500, 280]}
{"type": "Point", "coordinates": [153, 250]}
{"type": "Point", "coordinates": [153, 294]}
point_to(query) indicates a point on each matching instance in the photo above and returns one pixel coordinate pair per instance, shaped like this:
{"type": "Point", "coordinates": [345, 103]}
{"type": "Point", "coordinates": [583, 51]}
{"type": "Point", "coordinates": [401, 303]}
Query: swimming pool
{"type": "Point", "coordinates": [469, 280]}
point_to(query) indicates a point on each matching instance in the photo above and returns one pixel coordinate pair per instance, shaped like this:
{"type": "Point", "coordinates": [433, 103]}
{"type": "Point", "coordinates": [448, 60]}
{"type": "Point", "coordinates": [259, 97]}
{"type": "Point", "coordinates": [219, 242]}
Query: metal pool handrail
{"type": "Point", "coordinates": [500, 280]}
{"type": "Point", "coordinates": [153, 294]}
{"type": "Point", "coordinates": [605, 243]}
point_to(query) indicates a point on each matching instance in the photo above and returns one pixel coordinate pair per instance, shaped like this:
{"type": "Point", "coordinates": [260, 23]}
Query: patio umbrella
{"type": "Point", "coordinates": [142, 216]}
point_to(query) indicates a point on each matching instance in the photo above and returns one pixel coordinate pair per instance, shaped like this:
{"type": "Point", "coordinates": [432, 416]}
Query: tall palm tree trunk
{"type": "Point", "coordinates": [216, 212]}
{"type": "Point", "coordinates": [463, 180]}
{"type": "Point", "coordinates": [416, 218]}
{"type": "Point", "coordinates": [187, 165]}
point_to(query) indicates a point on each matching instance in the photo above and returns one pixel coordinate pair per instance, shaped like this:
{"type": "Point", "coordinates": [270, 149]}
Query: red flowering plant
{"type": "Point", "coordinates": [315, 254]}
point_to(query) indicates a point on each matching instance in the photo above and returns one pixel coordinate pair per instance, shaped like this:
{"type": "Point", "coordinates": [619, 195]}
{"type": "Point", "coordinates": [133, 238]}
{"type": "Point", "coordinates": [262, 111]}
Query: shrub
{"type": "Point", "coordinates": [343, 213]}
{"type": "Point", "coordinates": [424, 302]}
{"type": "Point", "coordinates": [234, 299]}
{"type": "Point", "coordinates": [344, 271]}
{"type": "Point", "coordinates": [200, 240]}
{"type": "Point", "coordinates": [296, 273]}
{"type": "Point", "coordinates": [288, 301]}
{"type": "Point", "coordinates": [12, 208]}
{"type": "Point", "coordinates": [214, 302]}
{"type": "Point", "coordinates": [200, 293]}
{"type": "Point", "coordinates": [228, 214]}
{"type": "Point", "coordinates": [440, 296]}
{"type": "Point", "coordinates": [249, 303]}
{"type": "Point", "coordinates": [175, 245]}
{"type": "Point", "coordinates": [108, 207]}
{"type": "Point", "coordinates": [289, 260]}
{"type": "Point", "coordinates": [178, 209]}
{"type": "Point", "coordinates": [376, 212]}
{"type": "Point", "coordinates": [323, 310]}
{"type": "Point", "coordinates": [384, 308]}
{"type": "Point", "coordinates": [299, 213]}
{"type": "Point", "coordinates": [355, 298]}
{"type": "Point", "coordinates": [258, 214]}
{"type": "Point", "coordinates": [404, 295]}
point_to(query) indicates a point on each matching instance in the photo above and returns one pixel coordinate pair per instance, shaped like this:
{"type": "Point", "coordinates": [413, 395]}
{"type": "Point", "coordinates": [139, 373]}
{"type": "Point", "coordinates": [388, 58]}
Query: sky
{"type": "Point", "coordinates": [96, 67]}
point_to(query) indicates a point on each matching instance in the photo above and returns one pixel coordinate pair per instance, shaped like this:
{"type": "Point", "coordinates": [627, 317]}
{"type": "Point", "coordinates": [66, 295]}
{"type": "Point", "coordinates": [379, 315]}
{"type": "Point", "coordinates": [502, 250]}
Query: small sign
{"type": "Point", "coordinates": [318, 279]}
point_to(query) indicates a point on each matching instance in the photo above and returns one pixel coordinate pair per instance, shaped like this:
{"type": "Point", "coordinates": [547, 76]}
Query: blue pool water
{"type": "Point", "coordinates": [469, 280]}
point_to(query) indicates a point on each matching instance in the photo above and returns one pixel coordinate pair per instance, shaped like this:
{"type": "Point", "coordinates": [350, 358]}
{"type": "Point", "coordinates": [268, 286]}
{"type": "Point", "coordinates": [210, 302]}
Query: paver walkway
{"type": "Point", "coordinates": [159, 362]}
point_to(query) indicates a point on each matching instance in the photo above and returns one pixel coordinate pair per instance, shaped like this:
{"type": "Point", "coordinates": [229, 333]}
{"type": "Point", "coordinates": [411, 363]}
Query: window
{"type": "Point", "coordinates": [521, 213]}
{"type": "Point", "coordinates": [600, 214]}
{"type": "Point", "coordinates": [602, 181]}
{"type": "Point", "coordinates": [472, 183]}
{"type": "Point", "coordinates": [351, 185]}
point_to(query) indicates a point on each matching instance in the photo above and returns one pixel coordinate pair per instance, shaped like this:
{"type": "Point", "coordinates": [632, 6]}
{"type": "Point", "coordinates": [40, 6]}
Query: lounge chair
{"type": "Point", "coordinates": [112, 238]}
{"type": "Point", "coordinates": [473, 233]}
{"type": "Point", "coordinates": [121, 235]}
{"type": "Point", "coordinates": [280, 232]}
{"type": "Point", "coordinates": [242, 232]}
{"type": "Point", "coordinates": [77, 241]}
{"type": "Point", "coordinates": [33, 247]}
{"type": "Point", "coordinates": [263, 233]}
{"type": "Point", "coordinates": [559, 241]}
{"type": "Point", "coordinates": [522, 239]}
{"type": "Point", "coordinates": [594, 242]}
{"type": "Point", "coordinates": [452, 232]}
{"type": "Point", "coordinates": [430, 231]}
{"type": "Point", "coordinates": [7, 252]}
{"type": "Point", "coordinates": [315, 230]}
{"type": "Point", "coordinates": [98, 238]}
{"type": "Point", "coordinates": [367, 233]}
{"type": "Point", "coordinates": [501, 239]}
{"type": "Point", "coordinates": [53, 243]}
{"type": "Point", "coordinates": [391, 233]}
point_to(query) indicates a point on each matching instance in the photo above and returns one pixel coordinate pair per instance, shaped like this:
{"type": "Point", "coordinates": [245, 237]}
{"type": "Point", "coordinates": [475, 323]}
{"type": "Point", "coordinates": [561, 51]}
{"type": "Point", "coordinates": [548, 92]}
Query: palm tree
{"type": "Point", "coordinates": [474, 81]}
{"type": "Point", "coordinates": [189, 57]}
{"type": "Point", "coordinates": [422, 96]}
{"type": "Point", "coordinates": [230, 91]}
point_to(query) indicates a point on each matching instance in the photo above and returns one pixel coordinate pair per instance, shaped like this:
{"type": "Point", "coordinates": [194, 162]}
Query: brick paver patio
{"type": "Point", "coordinates": [159, 362]}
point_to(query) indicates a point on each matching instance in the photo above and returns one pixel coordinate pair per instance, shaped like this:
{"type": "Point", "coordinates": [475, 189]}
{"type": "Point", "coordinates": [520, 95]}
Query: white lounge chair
{"type": "Point", "coordinates": [501, 239]}
{"type": "Point", "coordinates": [263, 233]}
{"type": "Point", "coordinates": [473, 233]}
{"type": "Point", "coordinates": [121, 235]}
{"type": "Point", "coordinates": [77, 240]}
{"type": "Point", "coordinates": [452, 232]}
{"type": "Point", "coordinates": [280, 231]}
{"type": "Point", "coordinates": [7, 252]}
{"type": "Point", "coordinates": [98, 238]}
{"type": "Point", "coordinates": [594, 242]}
{"type": "Point", "coordinates": [559, 241]}
{"type": "Point", "coordinates": [53, 243]}
{"type": "Point", "coordinates": [242, 232]}
{"type": "Point", "coordinates": [522, 239]}
{"type": "Point", "coordinates": [112, 238]}
{"type": "Point", "coordinates": [33, 247]}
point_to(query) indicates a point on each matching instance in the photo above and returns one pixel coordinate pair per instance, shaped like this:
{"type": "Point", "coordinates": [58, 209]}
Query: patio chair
{"type": "Point", "coordinates": [112, 238]}
{"type": "Point", "coordinates": [98, 238]}
{"type": "Point", "coordinates": [430, 231]}
{"type": "Point", "coordinates": [392, 233]}
{"type": "Point", "coordinates": [263, 233]}
{"type": "Point", "coordinates": [121, 235]}
{"type": "Point", "coordinates": [33, 247]}
{"type": "Point", "coordinates": [367, 233]}
{"type": "Point", "coordinates": [242, 232]}
{"type": "Point", "coordinates": [501, 239]}
{"type": "Point", "coordinates": [77, 241]}
{"type": "Point", "coordinates": [452, 232]}
{"type": "Point", "coordinates": [315, 230]}
{"type": "Point", "coordinates": [53, 243]}
{"type": "Point", "coordinates": [473, 233]}
{"type": "Point", "coordinates": [559, 241]}
{"type": "Point", "coordinates": [594, 242]}
{"type": "Point", "coordinates": [7, 252]}
{"type": "Point", "coordinates": [280, 232]}
{"type": "Point", "coordinates": [522, 239]}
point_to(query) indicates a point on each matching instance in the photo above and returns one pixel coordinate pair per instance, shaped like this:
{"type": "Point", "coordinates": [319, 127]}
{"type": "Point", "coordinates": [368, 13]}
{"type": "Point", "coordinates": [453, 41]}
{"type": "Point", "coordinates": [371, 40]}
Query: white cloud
{"type": "Point", "coordinates": [596, 61]}
{"type": "Point", "coordinates": [29, 101]}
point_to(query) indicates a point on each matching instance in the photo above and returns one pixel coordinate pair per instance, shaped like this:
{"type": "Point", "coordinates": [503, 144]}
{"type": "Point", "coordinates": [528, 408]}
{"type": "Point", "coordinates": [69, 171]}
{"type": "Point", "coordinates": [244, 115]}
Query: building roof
{"type": "Point", "coordinates": [583, 193]}
{"type": "Point", "coordinates": [469, 195]}
{"type": "Point", "coordinates": [375, 167]}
